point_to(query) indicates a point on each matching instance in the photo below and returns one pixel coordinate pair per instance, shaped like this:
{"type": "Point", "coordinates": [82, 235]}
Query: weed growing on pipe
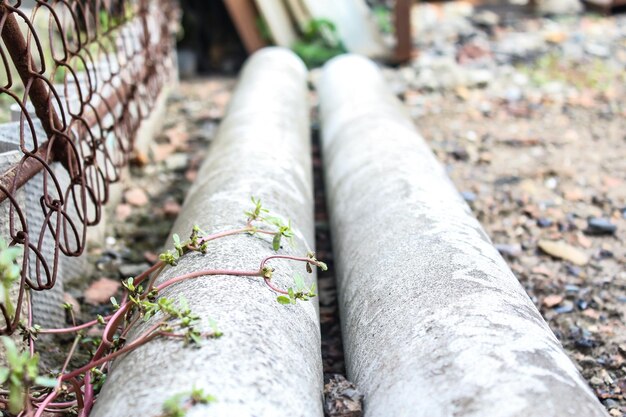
{"type": "Point", "coordinates": [73, 390]}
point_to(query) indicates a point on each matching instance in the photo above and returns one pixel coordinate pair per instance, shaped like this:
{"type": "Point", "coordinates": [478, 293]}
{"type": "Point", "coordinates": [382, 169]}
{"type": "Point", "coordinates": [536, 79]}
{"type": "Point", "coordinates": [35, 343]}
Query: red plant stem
{"type": "Point", "coordinates": [89, 396]}
{"type": "Point", "coordinates": [292, 258]}
{"type": "Point", "coordinates": [42, 407]}
{"type": "Point", "coordinates": [153, 279]}
{"type": "Point", "coordinates": [145, 274]}
{"type": "Point", "coordinates": [130, 325]}
{"type": "Point", "coordinates": [141, 340]}
{"type": "Point", "coordinates": [111, 326]}
{"type": "Point", "coordinates": [197, 274]}
{"type": "Point", "coordinates": [273, 288]}
{"type": "Point", "coordinates": [74, 328]}
{"type": "Point", "coordinates": [79, 395]}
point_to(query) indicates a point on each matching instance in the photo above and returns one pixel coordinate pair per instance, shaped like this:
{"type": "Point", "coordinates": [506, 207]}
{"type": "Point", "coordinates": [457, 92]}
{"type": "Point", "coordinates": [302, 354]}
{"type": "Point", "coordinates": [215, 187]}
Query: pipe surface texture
{"type": "Point", "coordinates": [268, 361]}
{"type": "Point", "coordinates": [434, 322]}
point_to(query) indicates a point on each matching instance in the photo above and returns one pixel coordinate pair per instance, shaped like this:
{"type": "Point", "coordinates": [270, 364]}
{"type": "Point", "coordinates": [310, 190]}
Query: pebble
{"type": "Point", "coordinates": [562, 250]}
{"type": "Point", "coordinates": [566, 307]}
{"type": "Point", "coordinates": [101, 291]}
{"type": "Point", "coordinates": [177, 162]}
{"type": "Point", "coordinates": [543, 222]}
{"type": "Point", "coordinates": [596, 381]}
{"type": "Point", "coordinates": [136, 197]}
{"type": "Point", "coordinates": [600, 226]}
{"type": "Point", "coordinates": [509, 250]}
{"type": "Point", "coordinates": [342, 398]}
{"type": "Point", "coordinates": [552, 300]}
{"type": "Point", "coordinates": [468, 196]}
{"type": "Point", "coordinates": [132, 270]}
{"type": "Point", "coordinates": [573, 270]}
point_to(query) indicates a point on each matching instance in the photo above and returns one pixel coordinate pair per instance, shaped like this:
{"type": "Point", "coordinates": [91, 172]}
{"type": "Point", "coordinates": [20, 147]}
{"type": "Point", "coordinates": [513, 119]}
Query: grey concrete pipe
{"type": "Point", "coordinates": [434, 322]}
{"type": "Point", "coordinates": [268, 362]}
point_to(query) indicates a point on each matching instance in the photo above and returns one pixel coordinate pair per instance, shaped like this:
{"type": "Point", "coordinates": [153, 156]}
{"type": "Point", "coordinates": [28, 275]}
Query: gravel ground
{"type": "Point", "coordinates": [538, 149]}
{"type": "Point", "coordinates": [527, 115]}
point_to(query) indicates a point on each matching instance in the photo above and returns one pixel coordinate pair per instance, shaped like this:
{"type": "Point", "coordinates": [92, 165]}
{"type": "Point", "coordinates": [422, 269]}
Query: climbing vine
{"type": "Point", "coordinates": [27, 393]}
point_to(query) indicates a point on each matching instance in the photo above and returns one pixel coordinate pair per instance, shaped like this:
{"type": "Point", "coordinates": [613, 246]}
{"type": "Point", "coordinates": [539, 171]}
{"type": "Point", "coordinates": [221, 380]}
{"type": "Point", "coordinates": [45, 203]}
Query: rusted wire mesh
{"type": "Point", "coordinates": [79, 76]}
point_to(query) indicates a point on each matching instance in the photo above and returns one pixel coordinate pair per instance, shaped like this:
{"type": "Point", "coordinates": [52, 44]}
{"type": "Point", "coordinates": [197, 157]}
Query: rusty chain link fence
{"type": "Point", "coordinates": [77, 77]}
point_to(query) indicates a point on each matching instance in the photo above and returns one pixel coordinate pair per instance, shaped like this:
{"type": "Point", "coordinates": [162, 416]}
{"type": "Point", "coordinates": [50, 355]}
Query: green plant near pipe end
{"type": "Point", "coordinates": [320, 42]}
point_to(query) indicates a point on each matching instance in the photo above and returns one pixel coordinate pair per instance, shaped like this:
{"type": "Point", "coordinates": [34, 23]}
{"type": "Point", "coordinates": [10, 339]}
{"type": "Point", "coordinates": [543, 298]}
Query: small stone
{"type": "Point", "coordinates": [162, 151]}
{"type": "Point", "coordinates": [171, 208]}
{"type": "Point", "coordinates": [551, 183]}
{"type": "Point", "coordinates": [468, 196]}
{"type": "Point", "coordinates": [177, 162]}
{"type": "Point", "coordinates": [596, 381]}
{"type": "Point", "coordinates": [485, 18]}
{"type": "Point", "coordinates": [132, 270]}
{"type": "Point", "coordinates": [341, 398]}
{"type": "Point", "coordinates": [177, 136]}
{"type": "Point", "coordinates": [556, 36]}
{"type": "Point", "coordinates": [562, 250]}
{"type": "Point", "coordinates": [583, 241]}
{"type": "Point", "coordinates": [605, 254]}
{"type": "Point", "coordinates": [541, 270]}
{"type": "Point", "coordinates": [509, 250]}
{"type": "Point", "coordinates": [191, 174]}
{"type": "Point", "coordinates": [565, 307]}
{"type": "Point", "coordinates": [572, 289]}
{"type": "Point", "coordinates": [573, 194]}
{"type": "Point", "coordinates": [543, 222]}
{"type": "Point", "coordinates": [101, 291]}
{"type": "Point", "coordinates": [123, 211]}
{"type": "Point", "coordinates": [460, 154]}
{"type": "Point", "coordinates": [552, 300]}
{"type": "Point", "coordinates": [585, 343]}
{"type": "Point", "coordinates": [136, 197]}
{"type": "Point", "coordinates": [573, 270]}
{"type": "Point", "coordinates": [598, 226]}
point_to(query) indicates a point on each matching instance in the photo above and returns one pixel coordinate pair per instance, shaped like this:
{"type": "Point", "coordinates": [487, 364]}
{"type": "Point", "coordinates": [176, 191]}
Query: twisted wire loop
{"type": "Point", "coordinates": [79, 77]}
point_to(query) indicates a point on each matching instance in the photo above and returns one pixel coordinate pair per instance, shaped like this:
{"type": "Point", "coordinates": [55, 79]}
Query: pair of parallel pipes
{"type": "Point", "coordinates": [434, 322]}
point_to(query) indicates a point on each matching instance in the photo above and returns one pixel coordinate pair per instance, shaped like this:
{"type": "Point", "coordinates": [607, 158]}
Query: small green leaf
{"type": "Point", "coordinates": [283, 299]}
{"type": "Point", "coordinates": [299, 281]}
{"type": "Point", "coordinates": [276, 241]}
{"type": "Point", "coordinates": [4, 374]}
{"type": "Point", "coordinates": [11, 351]}
{"type": "Point", "coordinates": [16, 398]}
{"type": "Point", "coordinates": [46, 381]}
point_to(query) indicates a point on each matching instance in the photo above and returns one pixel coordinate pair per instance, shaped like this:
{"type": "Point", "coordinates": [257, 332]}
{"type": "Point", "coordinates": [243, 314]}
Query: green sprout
{"type": "Point", "coordinates": [21, 373]}
{"type": "Point", "coordinates": [301, 292]}
{"type": "Point", "coordinates": [177, 405]}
